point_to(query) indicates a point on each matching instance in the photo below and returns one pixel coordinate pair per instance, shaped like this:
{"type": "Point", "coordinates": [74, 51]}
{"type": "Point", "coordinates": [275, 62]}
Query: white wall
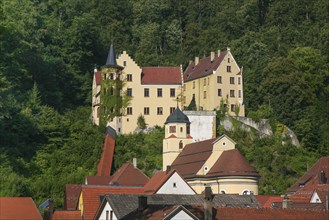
{"type": "Point", "coordinates": [182, 216]}
{"type": "Point", "coordinates": [181, 186]}
{"type": "Point", "coordinates": [109, 209]}
{"type": "Point", "coordinates": [202, 124]}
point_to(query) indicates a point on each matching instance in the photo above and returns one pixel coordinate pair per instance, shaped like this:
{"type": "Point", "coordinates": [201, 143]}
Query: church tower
{"type": "Point", "coordinates": [177, 135]}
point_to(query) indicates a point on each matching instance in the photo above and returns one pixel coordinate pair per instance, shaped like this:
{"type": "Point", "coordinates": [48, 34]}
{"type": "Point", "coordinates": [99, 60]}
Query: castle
{"type": "Point", "coordinates": [154, 92]}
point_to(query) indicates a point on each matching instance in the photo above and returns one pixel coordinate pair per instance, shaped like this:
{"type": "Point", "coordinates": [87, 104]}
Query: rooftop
{"type": "Point", "coordinates": [16, 208]}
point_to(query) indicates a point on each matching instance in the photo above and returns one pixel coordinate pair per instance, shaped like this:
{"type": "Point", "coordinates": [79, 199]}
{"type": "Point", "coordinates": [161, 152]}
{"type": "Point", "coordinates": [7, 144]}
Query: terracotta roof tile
{"type": "Point", "coordinates": [266, 201]}
{"type": "Point", "coordinates": [72, 193]}
{"type": "Point", "coordinates": [157, 180]}
{"type": "Point", "coordinates": [204, 68]}
{"type": "Point", "coordinates": [128, 175]}
{"type": "Point", "coordinates": [66, 215]}
{"type": "Point", "coordinates": [91, 197]}
{"type": "Point", "coordinates": [192, 157]}
{"type": "Point", "coordinates": [105, 164]}
{"type": "Point", "coordinates": [161, 76]}
{"type": "Point", "coordinates": [16, 208]}
{"type": "Point", "coordinates": [231, 162]}
{"type": "Point", "coordinates": [98, 180]}
{"type": "Point", "coordinates": [311, 179]}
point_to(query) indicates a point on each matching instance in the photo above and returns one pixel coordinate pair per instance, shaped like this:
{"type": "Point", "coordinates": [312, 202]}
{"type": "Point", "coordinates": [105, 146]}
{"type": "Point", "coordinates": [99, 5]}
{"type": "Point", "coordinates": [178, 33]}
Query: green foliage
{"type": "Point", "coordinates": [141, 122]}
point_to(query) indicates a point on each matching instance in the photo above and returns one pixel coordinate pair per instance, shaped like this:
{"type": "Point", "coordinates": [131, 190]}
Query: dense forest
{"type": "Point", "coordinates": [50, 47]}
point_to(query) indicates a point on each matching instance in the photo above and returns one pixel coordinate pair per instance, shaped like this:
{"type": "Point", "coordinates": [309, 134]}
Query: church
{"type": "Point", "coordinates": [214, 162]}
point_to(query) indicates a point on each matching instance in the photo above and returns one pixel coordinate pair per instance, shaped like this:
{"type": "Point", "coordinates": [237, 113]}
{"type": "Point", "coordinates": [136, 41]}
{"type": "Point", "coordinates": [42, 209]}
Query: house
{"type": "Point", "coordinates": [16, 208]}
{"type": "Point", "coordinates": [214, 162]}
{"type": "Point", "coordinates": [119, 206]}
{"type": "Point", "coordinates": [211, 80]}
{"type": "Point", "coordinates": [168, 182]}
{"type": "Point", "coordinates": [153, 92]}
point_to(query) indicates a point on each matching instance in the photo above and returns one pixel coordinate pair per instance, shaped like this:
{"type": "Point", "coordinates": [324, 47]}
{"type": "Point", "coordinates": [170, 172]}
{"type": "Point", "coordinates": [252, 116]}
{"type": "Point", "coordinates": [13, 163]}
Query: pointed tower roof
{"type": "Point", "coordinates": [177, 117]}
{"type": "Point", "coordinates": [111, 59]}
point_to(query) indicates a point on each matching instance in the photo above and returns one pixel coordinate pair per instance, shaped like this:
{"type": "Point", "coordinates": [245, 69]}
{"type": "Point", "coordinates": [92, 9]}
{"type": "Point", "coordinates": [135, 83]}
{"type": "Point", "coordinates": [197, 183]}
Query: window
{"type": "Point", "coordinates": [111, 91]}
{"type": "Point", "coordinates": [159, 92]}
{"type": "Point", "coordinates": [231, 80]}
{"type": "Point", "coordinates": [246, 192]}
{"type": "Point", "coordinates": [219, 79]}
{"type": "Point", "coordinates": [124, 63]}
{"type": "Point", "coordinates": [181, 129]}
{"type": "Point", "coordinates": [172, 109]}
{"type": "Point", "coordinates": [232, 93]}
{"type": "Point", "coordinates": [187, 129]}
{"type": "Point", "coordinates": [204, 81]}
{"type": "Point", "coordinates": [172, 129]}
{"type": "Point", "coordinates": [107, 215]}
{"type": "Point", "coordinates": [129, 111]}
{"type": "Point", "coordinates": [219, 92]}
{"type": "Point", "coordinates": [129, 92]}
{"type": "Point", "coordinates": [146, 92]}
{"type": "Point", "coordinates": [98, 111]}
{"type": "Point", "coordinates": [228, 60]}
{"type": "Point", "coordinates": [172, 92]}
{"type": "Point", "coordinates": [194, 85]}
{"type": "Point", "coordinates": [174, 185]}
{"type": "Point", "coordinates": [129, 77]}
{"type": "Point", "coordinates": [232, 107]}
{"type": "Point", "coordinates": [111, 76]}
{"type": "Point", "coordinates": [228, 69]}
{"type": "Point", "coordinates": [146, 110]}
{"type": "Point", "coordinates": [222, 192]}
{"type": "Point", "coordinates": [208, 81]}
{"type": "Point", "coordinates": [180, 145]}
{"type": "Point", "coordinates": [239, 92]}
{"type": "Point", "coordinates": [159, 111]}
{"type": "Point", "coordinates": [204, 94]}
{"type": "Point", "coordinates": [239, 80]}
{"type": "Point", "coordinates": [111, 215]}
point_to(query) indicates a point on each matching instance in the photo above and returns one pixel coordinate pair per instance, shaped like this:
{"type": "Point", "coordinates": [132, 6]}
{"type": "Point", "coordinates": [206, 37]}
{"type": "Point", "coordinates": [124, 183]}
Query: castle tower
{"type": "Point", "coordinates": [177, 135]}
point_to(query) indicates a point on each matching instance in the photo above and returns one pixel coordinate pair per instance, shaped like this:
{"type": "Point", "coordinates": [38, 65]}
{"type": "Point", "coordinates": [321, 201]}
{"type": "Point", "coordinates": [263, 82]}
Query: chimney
{"type": "Point", "coordinates": [95, 69]}
{"type": "Point", "coordinates": [196, 61]}
{"type": "Point", "coordinates": [285, 202]}
{"type": "Point", "coordinates": [323, 178]}
{"type": "Point", "coordinates": [142, 203]}
{"type": "Point", "coordinates": [135, 162]}
{"type": "Point", "coordinates": [228, 49]}
{"type": "Point", "coordinates": [218, 53]}
{"type": "Point", "coordinates": [189, 62]}
{"type": "Point", "coordinates": [168, 169]}
{"type": "Point", "coordinates": [48, 214]}
{"type": "Point", "coordinates": [212, 56]}
{"type": "Point", "coordinates": [208, 204]}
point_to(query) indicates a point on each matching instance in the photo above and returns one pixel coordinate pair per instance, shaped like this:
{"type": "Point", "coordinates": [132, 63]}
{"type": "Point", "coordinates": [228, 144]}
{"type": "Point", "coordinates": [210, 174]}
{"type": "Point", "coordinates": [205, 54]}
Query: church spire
{"type": "Point", "coordinates": [111, 58]}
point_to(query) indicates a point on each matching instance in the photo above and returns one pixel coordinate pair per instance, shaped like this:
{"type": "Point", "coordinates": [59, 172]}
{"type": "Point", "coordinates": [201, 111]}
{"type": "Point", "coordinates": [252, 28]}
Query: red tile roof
{"type": "Point", "coordinates": [267, 201]}
{"type": "Point", "coordinates": [192, 157]}
{"type": "Point", "coordinates": [204, 68]}
{"type": "Point", "coordinates": [311, 178]}
{"type": "Point", "coordinates": [105, 164]}
{"type": "Point", "coordinates": [98, 180]}
{"type": "Point", "coordinates": [231, 213]}
{"type": "Point", "coordinates": [128, 175]}
{"type": "Point", "coordinates": [232, 163]}
{"type": "Point", "coordinates": [161, 76]}
{"type": "Point", "coordinates": [98, 77]}
{"type": "Point", "coordinates": [157, 180]}
{"type": "Point", "coordinates": [66, 215]}
{"type": "Point", "coordinates": [72, 193]}
{"type": "Point", "coordinates": [91, 199]}
{"type": "Point", "coordinates": [16, 208]}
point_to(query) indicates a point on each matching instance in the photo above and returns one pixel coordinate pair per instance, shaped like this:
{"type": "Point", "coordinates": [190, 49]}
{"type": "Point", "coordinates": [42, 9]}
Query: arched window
{"type": "Point", "coordinates": [246, 192]}
{"type": "Point", "coordinates": [181, 145]}
{"type": "Point", "coordinates": [222, 192]}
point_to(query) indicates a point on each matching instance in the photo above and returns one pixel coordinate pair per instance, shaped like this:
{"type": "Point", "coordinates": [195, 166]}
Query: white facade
{"type": "Point", "coordinates": [175, 185]}
{"type": "Point", "coordinates": [182, 216]}
{"type": "Point", "coordinates": [203, 124]}
{"type": "Point", "coordinates": [107, 211]}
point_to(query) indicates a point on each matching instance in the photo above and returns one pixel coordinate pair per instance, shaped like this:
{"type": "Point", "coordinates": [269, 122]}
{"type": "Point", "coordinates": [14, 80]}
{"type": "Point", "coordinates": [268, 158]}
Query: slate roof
{"type": "Point", "coordinates": [161, 76]}
{"type": "Point", "coordinates": [128, 175]}
{"type": "Point", "coordinates": [91, 197]}
{"type": "Point", "coordinates": [232, 163]}
{"type": "Point", "coordinates": [72, 193]}
{"type": "Point", "coordinates": [310, 180]}
{"type": "Point", "coordinates": [111, 59]}
{"type": "Point", "coordinates": [122, 205]}
{"type": "Point", "coordinates": [204, 68]}
{"type": "Point", "coordinates": [105, 164]}
{"type": "Point", "coordinates": [66, 215]}
{"type": "Point", "coordinates": [16, 208]}
{"type": "Point", "coordinates": [177, 117]}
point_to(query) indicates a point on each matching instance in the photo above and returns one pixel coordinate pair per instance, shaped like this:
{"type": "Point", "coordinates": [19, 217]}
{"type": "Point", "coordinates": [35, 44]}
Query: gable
{"type": "Point", "coordinates": [315, 198]}
{"type": "Point", "coordinates": [224, 143]}
{"type": "Point", "coordinates": [106, 211]}
{"type": "Point", "coordinates": [181, 215]}
{"type": "Point", "coordinates": [175, 185]}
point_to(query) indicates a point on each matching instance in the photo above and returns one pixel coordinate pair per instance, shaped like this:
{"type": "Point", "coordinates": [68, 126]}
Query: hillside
{"type": "Point", "coordinates": [49, 50]}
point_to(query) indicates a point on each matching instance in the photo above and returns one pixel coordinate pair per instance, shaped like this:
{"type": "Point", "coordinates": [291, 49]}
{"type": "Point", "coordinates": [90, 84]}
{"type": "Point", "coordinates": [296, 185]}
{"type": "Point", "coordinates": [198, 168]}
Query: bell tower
{"type": "Point", "coordinates": [177, 135]}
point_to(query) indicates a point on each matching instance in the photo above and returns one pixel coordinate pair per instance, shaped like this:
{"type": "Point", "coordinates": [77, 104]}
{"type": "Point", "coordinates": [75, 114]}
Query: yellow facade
{"type": "Point", "coordinates": [225, 83]}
